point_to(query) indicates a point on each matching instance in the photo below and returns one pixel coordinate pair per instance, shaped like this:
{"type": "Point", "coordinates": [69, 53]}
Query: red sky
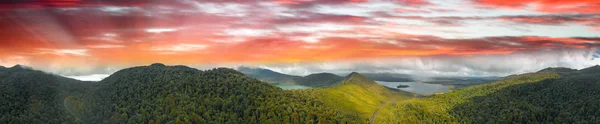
{"type": "Point", "coordinates": [75, 33]}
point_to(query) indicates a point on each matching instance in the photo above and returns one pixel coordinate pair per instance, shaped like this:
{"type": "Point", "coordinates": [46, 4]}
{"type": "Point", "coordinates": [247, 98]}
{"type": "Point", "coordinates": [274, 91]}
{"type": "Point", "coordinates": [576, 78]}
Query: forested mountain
{"type": "Point", "coordinates": [178, 94]}
{"type": "Point", "coordinates": [267, 75]}
{"type": "Point", "coordinates": [358, 94]}
{"type": "Point", "coordinates": [558, 70]}
{"type": "Point", "coordinates": [313, 80]}
{"type": "Point", "coordinates": [31, 96]}
{"type": "Point", "coordinates": [327, 79]}
{"type": "Point", "coordinates": [319, 80]}
{"type": "Point", "coordinates": [548, 96]}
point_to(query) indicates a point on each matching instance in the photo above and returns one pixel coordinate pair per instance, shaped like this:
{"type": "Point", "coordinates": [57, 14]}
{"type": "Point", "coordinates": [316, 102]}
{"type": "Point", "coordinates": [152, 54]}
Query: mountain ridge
{"type": "Point", "coordinates": [187, 95]}
{"type": "Point", "coordinates": [313, 80]}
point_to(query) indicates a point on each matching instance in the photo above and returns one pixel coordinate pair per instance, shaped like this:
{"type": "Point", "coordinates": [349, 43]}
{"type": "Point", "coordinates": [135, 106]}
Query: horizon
{"type": "Point", "coordinates": [99, 77]}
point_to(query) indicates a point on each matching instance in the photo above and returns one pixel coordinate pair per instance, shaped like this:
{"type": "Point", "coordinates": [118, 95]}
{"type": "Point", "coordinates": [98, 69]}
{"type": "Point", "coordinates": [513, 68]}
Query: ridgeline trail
{"type": "Point", "coordinates": [372, 120]}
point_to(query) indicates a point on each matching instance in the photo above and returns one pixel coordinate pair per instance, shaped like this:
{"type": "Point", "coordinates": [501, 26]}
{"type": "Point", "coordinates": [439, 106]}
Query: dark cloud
{"type": "Point", "coordinates": [554, 19]}
{"type": "Point", "coordinates": [590, 20]}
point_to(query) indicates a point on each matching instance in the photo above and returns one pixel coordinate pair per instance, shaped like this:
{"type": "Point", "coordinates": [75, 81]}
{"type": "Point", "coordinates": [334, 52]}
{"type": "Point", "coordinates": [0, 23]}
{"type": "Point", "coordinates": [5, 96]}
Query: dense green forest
{"type": "Point", "coordinates": [162, 94]}
{"type": "Point", "coordinates": [34, 97]}
{"type": "Point", "coordinates": [159, 94]}
{"type": "Point", "coordinates": [554, 95]}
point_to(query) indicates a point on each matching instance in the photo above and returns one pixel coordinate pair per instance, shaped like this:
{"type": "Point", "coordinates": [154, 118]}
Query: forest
{"type": "Point", "coordinates": [553, 95]}
{"type": "Point", "coordinates": [160, 94]}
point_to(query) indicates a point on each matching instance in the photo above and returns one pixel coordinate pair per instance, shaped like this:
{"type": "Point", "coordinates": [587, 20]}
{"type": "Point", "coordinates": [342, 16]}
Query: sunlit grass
{"type": "Point", "coordinates": [436, 108]}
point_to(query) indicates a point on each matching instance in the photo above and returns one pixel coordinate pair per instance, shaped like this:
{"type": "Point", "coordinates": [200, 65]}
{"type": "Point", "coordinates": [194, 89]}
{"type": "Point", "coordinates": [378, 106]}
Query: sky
{"type": "Point", "coordinates": [88, 39]}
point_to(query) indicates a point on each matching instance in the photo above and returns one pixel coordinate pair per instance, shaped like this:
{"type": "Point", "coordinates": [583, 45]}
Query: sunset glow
{"type": "Point", "coordinates": [57, 35]}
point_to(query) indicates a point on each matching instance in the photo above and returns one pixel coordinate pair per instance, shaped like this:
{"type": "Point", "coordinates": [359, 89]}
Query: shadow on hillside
{"type": "Point", "coordinates": [570, 99]}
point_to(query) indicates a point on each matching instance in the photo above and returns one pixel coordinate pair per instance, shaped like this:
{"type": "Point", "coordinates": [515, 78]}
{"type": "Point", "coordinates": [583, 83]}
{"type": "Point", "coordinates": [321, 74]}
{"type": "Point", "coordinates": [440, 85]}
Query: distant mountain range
{"type": "Point", "coordinates": [313, 80]}
{"type": "Point", "coordinates": [327, 79]}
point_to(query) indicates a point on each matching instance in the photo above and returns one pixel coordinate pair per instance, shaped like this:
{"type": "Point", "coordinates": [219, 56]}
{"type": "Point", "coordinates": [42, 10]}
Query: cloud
{"type": "Point", "coordinates": [247, 32]}
{"type": "Point", "coordinates": [9, 61]}
{"type": "Point", "coordinates": [105, 46]}
{"type": "Point", "coordinates": [93, 77]}
{"type": "Point", "coordinates": [310, 3]}
{"type": "Point", "coordinates": [590, 20]}
{"type": "Point", "coordinates": [547, 6]}
{"type": "Point", "coordinates": [322, 18]}
{"type": "Point", "coordinates": [471, 65]}
{"type": "Point", "coordinates": [180, 48]}
{"type": "Point", "coordinates": [63, 52]}
{"type": "Point", "coordinates": [74, 33]}
{"type": "Point", "coordinates": [413, 2]}
{"type": "Point", "coordinates": [160, 30]}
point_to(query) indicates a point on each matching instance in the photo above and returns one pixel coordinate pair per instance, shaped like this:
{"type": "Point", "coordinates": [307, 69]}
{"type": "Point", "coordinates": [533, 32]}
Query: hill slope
{"type": "Point", "coordinates": [30, 96]}
{"type": "Point", "coordinates": [172, 94]}
{"type": "Point", "coordinates": [358, 94]}
{"type": "Point", "coordinates": [543, 97]}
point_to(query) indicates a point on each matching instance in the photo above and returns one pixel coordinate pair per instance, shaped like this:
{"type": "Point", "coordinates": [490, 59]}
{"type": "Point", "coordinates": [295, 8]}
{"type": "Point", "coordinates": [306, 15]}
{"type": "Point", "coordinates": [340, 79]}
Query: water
{"type": "Point", "coordinates": [291, 87]}
{"type": "Point", "coordinates": [417, 87]}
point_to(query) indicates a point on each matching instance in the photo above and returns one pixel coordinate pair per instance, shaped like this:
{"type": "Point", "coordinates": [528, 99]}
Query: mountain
{"type": "Point", "coordinates": [590, 70]}
{"type": "Point", "coordinates": [267, 75]}
{"type": "Point", "coordinates": [179, 94]}
{"type": "Point", "coordinates": [319, 80]}
{"type": "Point", "coordinates": [313, 80]}
{"type": "Point", "coordinates": [358, 94]}
{"type": "Point", "coordinates": [548, 96]}
{"type": "Point", "coordinates": [31, 96]}
{"type": "Point", "coordinates": [558, 70]}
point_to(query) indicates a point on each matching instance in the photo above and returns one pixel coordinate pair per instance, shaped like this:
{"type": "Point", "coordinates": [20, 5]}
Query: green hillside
{"type": "Point", "coordinates": [30, 96]}
{"type": "Point", "coordinates": [543, 97]}
{"type": "Point", "coordinates": [178, 94]}
{"type": "Point", "coordinates": [358, 94]}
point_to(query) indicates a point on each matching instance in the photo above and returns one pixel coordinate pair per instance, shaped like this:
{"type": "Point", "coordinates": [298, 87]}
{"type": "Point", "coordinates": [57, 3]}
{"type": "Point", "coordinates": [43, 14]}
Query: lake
{"type": "Point", "coordinates": [417, 87]}
{"type": "Point", "coordinates": [291, 87]}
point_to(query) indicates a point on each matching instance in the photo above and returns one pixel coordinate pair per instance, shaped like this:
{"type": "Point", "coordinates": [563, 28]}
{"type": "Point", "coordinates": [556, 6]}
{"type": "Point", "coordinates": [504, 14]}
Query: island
{"type": "Point", "coordinates": [402, 86]}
